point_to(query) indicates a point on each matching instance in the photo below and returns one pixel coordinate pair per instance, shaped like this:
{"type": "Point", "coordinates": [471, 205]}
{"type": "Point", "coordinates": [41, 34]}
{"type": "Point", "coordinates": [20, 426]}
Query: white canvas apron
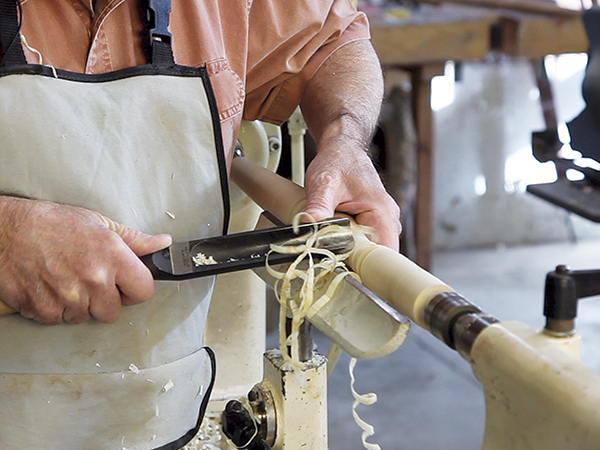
{"type": "Point", "coordinates": [141, 146]}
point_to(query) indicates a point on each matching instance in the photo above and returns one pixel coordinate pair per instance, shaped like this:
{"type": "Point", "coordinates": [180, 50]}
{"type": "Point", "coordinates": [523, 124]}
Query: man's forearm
{"type": "Point", "coordinates": [341, 106]}
{"type": "Point", "coordinates": [343, 99]}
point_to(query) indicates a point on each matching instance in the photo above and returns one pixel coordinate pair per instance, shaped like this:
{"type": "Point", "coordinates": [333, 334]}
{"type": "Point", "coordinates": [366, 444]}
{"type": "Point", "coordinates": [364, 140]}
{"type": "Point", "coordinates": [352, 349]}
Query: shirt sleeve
{"type": "Point", "coordinates": [289, 40]}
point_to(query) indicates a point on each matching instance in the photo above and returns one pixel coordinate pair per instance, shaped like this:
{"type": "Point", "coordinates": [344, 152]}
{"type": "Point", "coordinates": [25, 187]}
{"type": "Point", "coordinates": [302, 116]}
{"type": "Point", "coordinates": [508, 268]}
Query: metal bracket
{"type": "Point", "coordinates": [564, 288]}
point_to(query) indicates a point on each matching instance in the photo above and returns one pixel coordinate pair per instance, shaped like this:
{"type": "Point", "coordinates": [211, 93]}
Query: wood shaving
{"type": "Point", "coordinates": [364, 399]}
{"type": "Point", "coordinates": [201, 259]}
{"type": "Point", "coordinates": [297, 305]}
{"type": "Point", "coordinates": [302, 301]}
{"type": "Point", "coordinates": [168, 386]}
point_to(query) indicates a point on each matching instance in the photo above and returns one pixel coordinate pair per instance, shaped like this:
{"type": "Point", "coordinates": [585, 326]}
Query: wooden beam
{"type": "Point", "coordinates": [412, 44]}
{"type": "Point", "coordinates": [539, 37]}
{"type": "Point", "coordinates": [530, 6]}
{"type": "Point", "coordinates": [458, 33]}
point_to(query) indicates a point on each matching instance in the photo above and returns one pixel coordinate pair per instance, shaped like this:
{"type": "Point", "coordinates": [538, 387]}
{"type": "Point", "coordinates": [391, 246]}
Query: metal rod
{"type": "Point", "coordinates": [305, 343]}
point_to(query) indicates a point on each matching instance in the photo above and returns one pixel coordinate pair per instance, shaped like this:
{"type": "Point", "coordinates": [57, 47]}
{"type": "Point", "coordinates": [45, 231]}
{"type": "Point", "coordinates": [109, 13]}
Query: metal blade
{"type": "Point", "coordinates": [240, 251]}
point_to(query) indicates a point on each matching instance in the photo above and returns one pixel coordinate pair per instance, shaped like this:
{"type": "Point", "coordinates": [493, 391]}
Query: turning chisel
{"type": "Point", "coordinates": [238, 251]}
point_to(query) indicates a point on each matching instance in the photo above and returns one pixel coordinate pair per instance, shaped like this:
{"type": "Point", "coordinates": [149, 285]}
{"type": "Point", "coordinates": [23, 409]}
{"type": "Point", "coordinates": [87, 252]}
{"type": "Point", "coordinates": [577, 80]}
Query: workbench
{"type": "Point", "coordinates": [430, 35]}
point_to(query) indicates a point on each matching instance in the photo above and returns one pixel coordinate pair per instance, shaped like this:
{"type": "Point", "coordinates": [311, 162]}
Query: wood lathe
{"type": "Point", "coordinates": [538, 394]}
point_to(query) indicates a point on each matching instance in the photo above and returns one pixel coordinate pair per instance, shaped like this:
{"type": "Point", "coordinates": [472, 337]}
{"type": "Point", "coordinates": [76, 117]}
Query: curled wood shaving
{"type": "Point", "coordinates": [299, 304]}
{"type": "Point", "coordinates": [364, 399]}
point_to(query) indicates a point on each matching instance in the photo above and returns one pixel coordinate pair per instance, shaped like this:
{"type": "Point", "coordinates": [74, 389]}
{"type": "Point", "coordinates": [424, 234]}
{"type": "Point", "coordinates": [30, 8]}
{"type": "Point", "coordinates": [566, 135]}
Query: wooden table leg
{"type": "Point", "coordinates": [421, 85]}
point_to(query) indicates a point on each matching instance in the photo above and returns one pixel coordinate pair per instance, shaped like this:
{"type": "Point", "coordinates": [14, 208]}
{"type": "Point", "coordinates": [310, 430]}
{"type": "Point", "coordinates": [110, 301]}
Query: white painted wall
{"type": "Point", "coordinates": [483, 160]}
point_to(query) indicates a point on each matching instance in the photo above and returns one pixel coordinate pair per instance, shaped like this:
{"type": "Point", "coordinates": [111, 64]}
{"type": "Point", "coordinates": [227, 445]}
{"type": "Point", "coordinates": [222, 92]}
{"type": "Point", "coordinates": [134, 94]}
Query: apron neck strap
{"type": "Point", "coordinates": [157, 15]}
{"type": "Point", "coordinates": [10, 40]}
{"type": "Point", "coordinates": [160, 37]}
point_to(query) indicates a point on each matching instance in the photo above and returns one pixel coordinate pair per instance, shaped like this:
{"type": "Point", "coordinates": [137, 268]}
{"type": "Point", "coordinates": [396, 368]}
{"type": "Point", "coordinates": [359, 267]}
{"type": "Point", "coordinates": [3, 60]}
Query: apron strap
{"type": "Point", "coordinates": [158, 18]}
{"type": "Point", "coordinates": [160, 37]}
{"type": "Point", "coordinates": [10, 42]}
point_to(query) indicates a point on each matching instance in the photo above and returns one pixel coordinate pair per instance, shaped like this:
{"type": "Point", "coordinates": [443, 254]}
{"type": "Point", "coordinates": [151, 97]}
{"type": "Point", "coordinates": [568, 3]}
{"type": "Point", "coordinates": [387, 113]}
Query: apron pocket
{"type": "Point", "coordinates": [136, 409]}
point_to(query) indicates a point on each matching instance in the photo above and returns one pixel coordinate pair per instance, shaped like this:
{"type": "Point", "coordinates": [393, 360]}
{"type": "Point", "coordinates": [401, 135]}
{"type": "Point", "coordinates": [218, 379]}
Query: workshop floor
{"type": "Point", "coordinates": [428, 397]}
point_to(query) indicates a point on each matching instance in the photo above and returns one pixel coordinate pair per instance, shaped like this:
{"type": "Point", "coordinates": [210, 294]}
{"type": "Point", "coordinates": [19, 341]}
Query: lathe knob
{"type": "Point", "coordinates": [240, 427]}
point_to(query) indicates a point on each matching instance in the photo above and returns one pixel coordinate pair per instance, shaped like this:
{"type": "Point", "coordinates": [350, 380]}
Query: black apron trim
{"type": "Point", "coordinates": [187, 437]}
{"type": "Point", "coordinates": [220, 152]}
{"type": "Point", "coordinates": [10, 26]}
{"type": "Point", "coordinates": [128, 72]}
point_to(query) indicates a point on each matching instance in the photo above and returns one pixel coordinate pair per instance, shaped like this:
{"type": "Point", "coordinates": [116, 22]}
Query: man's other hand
{"type": "Point", "coordinates": [61, 263]}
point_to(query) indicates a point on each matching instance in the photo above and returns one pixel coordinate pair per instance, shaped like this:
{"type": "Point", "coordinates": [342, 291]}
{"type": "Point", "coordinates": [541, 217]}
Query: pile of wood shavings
{"type": "Point", "coordinates": [209, 437]}
{"type": "Point", "coordinates": [201, 259]}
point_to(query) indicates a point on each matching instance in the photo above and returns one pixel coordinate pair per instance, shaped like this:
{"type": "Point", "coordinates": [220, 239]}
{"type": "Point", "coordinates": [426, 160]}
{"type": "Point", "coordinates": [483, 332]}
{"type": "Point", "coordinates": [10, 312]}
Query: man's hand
{"type": "Point", "coordinates": [341, 106]}
{"type": "Point", "coordinates": [64, 263]}
{"type": "Point", "coordinates": [344, 180]}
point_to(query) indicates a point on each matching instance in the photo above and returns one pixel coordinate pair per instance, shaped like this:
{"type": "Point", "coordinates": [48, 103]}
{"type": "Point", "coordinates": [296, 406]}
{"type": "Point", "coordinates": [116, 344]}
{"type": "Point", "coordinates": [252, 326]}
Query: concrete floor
{"type": "Point", "coordinates": [428, 397]}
